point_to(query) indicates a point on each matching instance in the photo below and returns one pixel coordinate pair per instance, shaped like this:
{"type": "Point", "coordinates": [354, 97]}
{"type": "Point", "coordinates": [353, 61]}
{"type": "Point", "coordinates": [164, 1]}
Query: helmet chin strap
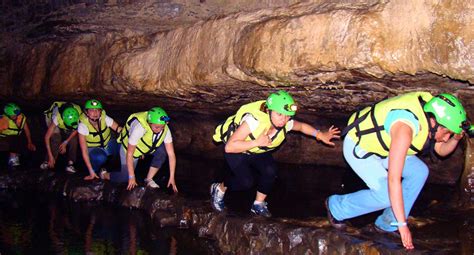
{"type": "Point", "coordinates": [432, 140]}
{"type": "Point", "coordinates": [270, 115]}
{"type": "Point", "coordinates": [94, 120]}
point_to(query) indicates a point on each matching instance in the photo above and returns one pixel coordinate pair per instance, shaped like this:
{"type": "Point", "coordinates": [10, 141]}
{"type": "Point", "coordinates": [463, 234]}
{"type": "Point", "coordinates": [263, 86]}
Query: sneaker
{"type": "Point", "coordinates": [44, 165]}
{"type": "Point", "coordinates": [14, 161]}
{"type": "Point", "coordinates": [151, 184]}
{"type": "Point", "coordinates": [71, 169]}
{"type": "Point", "coordinates": [337, 224]}
{"type": "Point", "coordinates": [261, 209]}
{"type": "Point", "coordinates": [102, 173]}
{"type": "Point", "coordinates": [217, 200]}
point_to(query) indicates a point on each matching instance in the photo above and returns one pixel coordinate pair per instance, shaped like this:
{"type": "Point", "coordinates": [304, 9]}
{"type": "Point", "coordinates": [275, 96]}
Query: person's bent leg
{"type": "Point", "coordinates": [122, 176]}
{"type": "Point", "coordinates": [72, 149]}
{"type": "Point", "coordinates": [374, 174]}
{"type": "Point", "coordinates": [267, 169]}
{"type": "Point", "coordinates": [241, 177]}
{"type": "Point", "coordinates": [98, 157]}
{"type": "Point", "coordinates": [415, 172]}
{"type": "Point", "coordinates": [159, 157]}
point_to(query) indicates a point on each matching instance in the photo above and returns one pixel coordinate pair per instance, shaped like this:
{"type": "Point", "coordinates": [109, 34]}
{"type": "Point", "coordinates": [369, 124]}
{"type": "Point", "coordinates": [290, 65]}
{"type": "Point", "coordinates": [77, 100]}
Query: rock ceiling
{"type": "Point", "coordinates": [334, 56]}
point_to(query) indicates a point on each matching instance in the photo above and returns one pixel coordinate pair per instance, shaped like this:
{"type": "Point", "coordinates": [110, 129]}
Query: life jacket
{"type": "Point", "coordinates": [366, 128]}
{"type": "Point", "coordinates": [13, 129]}
{"type": "Point", "coordinates": [224, 130]}
{"type": "Point", "coordinates": [61, 106]}
{"type": "Point", "coordinates": [96, 138]}
{"type": "Point", "coordinates": [146, 144]}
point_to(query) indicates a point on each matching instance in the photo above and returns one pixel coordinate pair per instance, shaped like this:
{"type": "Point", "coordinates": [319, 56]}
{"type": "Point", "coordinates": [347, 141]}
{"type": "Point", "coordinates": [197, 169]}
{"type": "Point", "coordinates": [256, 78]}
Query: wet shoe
{"type": "Point", "coordinates": [102, 173]}
{"type": "Point", "coordinates": [337, 224]}
{"type": "Point", "coordinates": [70, 169]}
{"type": "Point", "coordinates": [14, 161]}
{"type": "Point", "coordinates": [217, 197]}
{"type": "Point", "coordinates": [151, 184]}
{"type": "Point", "coordinates": [44, 165]}
{"type": "Point", "coordinates": [394, 234]}
{"type": "Point", "coordinates": [261, 209]}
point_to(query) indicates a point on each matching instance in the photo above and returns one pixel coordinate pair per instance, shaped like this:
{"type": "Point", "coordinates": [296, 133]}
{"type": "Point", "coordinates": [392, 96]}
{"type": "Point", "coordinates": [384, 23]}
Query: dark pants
{"type": "Point", "coordinates": [71, 148]}
{"type": "Point", "coordinates": [244, 167]}
{"type": "Point", "coordinates": [159, 157]}
{"type": "Point", "coordinates": [11, 143]}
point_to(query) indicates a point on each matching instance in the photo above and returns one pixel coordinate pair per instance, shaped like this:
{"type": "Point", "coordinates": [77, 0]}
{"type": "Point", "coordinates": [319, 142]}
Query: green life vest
{"type": "Point", "coordinates": [366, 126]}
{"type": "Point", "coordinates": [61, 106]}
{"type": "Point", "coordinates": [224, 130]}
{"type": "Point", "coordinates": [13, 129]}
{"type": "Point", "coordinates": [96, 138]}
{"type": "Point", "coordinates": [146, 145]}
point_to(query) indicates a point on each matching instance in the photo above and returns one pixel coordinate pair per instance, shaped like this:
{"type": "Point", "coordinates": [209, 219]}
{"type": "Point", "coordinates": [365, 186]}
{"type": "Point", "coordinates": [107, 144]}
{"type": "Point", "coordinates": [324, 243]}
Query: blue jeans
{"type": "Point", "coordinates": [373, 171]}
{"type": "Point", "coordinates": [98, 155]}
{"type": "Point", "coordinates": [159, 157]}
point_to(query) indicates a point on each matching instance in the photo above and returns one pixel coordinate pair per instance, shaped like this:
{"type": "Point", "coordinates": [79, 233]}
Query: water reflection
{"type": "Point", "coordinates": [44, 224]}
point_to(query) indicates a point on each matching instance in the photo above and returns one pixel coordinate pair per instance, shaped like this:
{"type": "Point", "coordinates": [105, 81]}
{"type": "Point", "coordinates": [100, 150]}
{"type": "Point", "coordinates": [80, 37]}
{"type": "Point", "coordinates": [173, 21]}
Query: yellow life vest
{"type": "Point", "coordinates": [146, 145]}
{"type": "Point", "coordinates": [13, 129]}
{"type": "Point", "coordinates": [61, 106]}
{"type": "Point", "coordinates": [366, 126]}
{"type": "Point", "coordinates": [96, 138]}
{"type": "Point", "coordinates": [224, 130]}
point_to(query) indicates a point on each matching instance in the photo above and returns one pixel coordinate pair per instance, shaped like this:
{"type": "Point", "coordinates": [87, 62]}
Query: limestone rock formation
{"type": "Point", "coordinates": [334, 55]}
{"type": "Point", "coordinates": [210, 56]}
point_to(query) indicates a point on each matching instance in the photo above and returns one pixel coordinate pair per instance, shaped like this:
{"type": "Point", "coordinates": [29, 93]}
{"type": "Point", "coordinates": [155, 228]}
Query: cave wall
{"type": "Point", "coordinates": [209, 57]}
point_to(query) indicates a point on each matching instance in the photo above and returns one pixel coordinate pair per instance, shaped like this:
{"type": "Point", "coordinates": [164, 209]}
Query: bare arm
{"type": "Point", "coordinates": [444, 149]}
{"type": "Point", "coordinates": [30, 145]}
{"type": "Point", "coordinates": [116, 127]}
{"type": "Point", "coordinates": [401, 135]}
{"type": "Point", "coordinates": [85, 156]}
{"type": "Point", "coordinates": [237, 143]}
{"type": "Point", "coordinates": [172, 163]}
{"type": "Point", "coordinates": [309, 130]}
{"type": "Point", "coordinates": [47, 142]}
{"type": "Point", "coordinates": [132, 182]}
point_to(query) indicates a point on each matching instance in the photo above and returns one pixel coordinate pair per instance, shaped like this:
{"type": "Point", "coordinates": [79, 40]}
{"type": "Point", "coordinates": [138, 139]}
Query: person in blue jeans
{"type": "Point", "coordinates": [381, 144]}
{"type": "Point", "coordinates": [94, 129]}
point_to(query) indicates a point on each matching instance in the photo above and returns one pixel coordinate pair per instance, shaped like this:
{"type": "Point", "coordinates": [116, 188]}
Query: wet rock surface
{"type": "Point", "coordinates": [236, 233]}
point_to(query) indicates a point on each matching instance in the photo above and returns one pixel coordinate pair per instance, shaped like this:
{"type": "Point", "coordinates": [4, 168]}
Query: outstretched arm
{"type": "Point", "coordinates": [172, 163]}
{"type": "Point", "coordinates": [325, 137]}
{"type": "Point", "coordinates": [132, 181]}
{"type": "Point", "coordinates": [85, 156]}
{"type": "Point", "coordinates": [31, 146]}
{"type": "Point", "coordinates": [401, 136]}
{"type": "Point", "coordinates": [47, 142]}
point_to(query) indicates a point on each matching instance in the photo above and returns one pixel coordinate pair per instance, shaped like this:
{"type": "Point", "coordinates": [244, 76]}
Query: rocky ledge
{"type": "Point", "coordinates": [244, 234]}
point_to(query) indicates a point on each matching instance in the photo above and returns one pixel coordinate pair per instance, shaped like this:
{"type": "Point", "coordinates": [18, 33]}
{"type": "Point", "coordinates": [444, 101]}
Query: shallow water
{"type": "Point", "coordinates": [46, 224]}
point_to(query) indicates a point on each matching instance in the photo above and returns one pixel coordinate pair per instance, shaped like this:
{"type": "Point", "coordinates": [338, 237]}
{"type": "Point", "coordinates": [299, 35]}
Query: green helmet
{"type": "Point", "coordinates": [70, 117]}
{"type": "Point", "coordinates": [448, 111]}
{"type": "Point", "coordinates": [282, 102]}
{"type": "Point", "coordinates": [157, 115]}
{"type": "Point", "coordinates": [11, 109]}
{"type": "Point", "coordinates": [93, 104]}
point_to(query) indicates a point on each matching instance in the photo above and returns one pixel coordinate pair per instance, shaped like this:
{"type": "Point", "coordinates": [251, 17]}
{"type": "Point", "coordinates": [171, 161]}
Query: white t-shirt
{"type": "Point", "coordinates": [253, 122]}
{"type": "Point", "coordinates": [137, 132]}
{"type": "Point", "coordinates": [54, 116]}
{"type": "Point", "coordinates": [83, 130]}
